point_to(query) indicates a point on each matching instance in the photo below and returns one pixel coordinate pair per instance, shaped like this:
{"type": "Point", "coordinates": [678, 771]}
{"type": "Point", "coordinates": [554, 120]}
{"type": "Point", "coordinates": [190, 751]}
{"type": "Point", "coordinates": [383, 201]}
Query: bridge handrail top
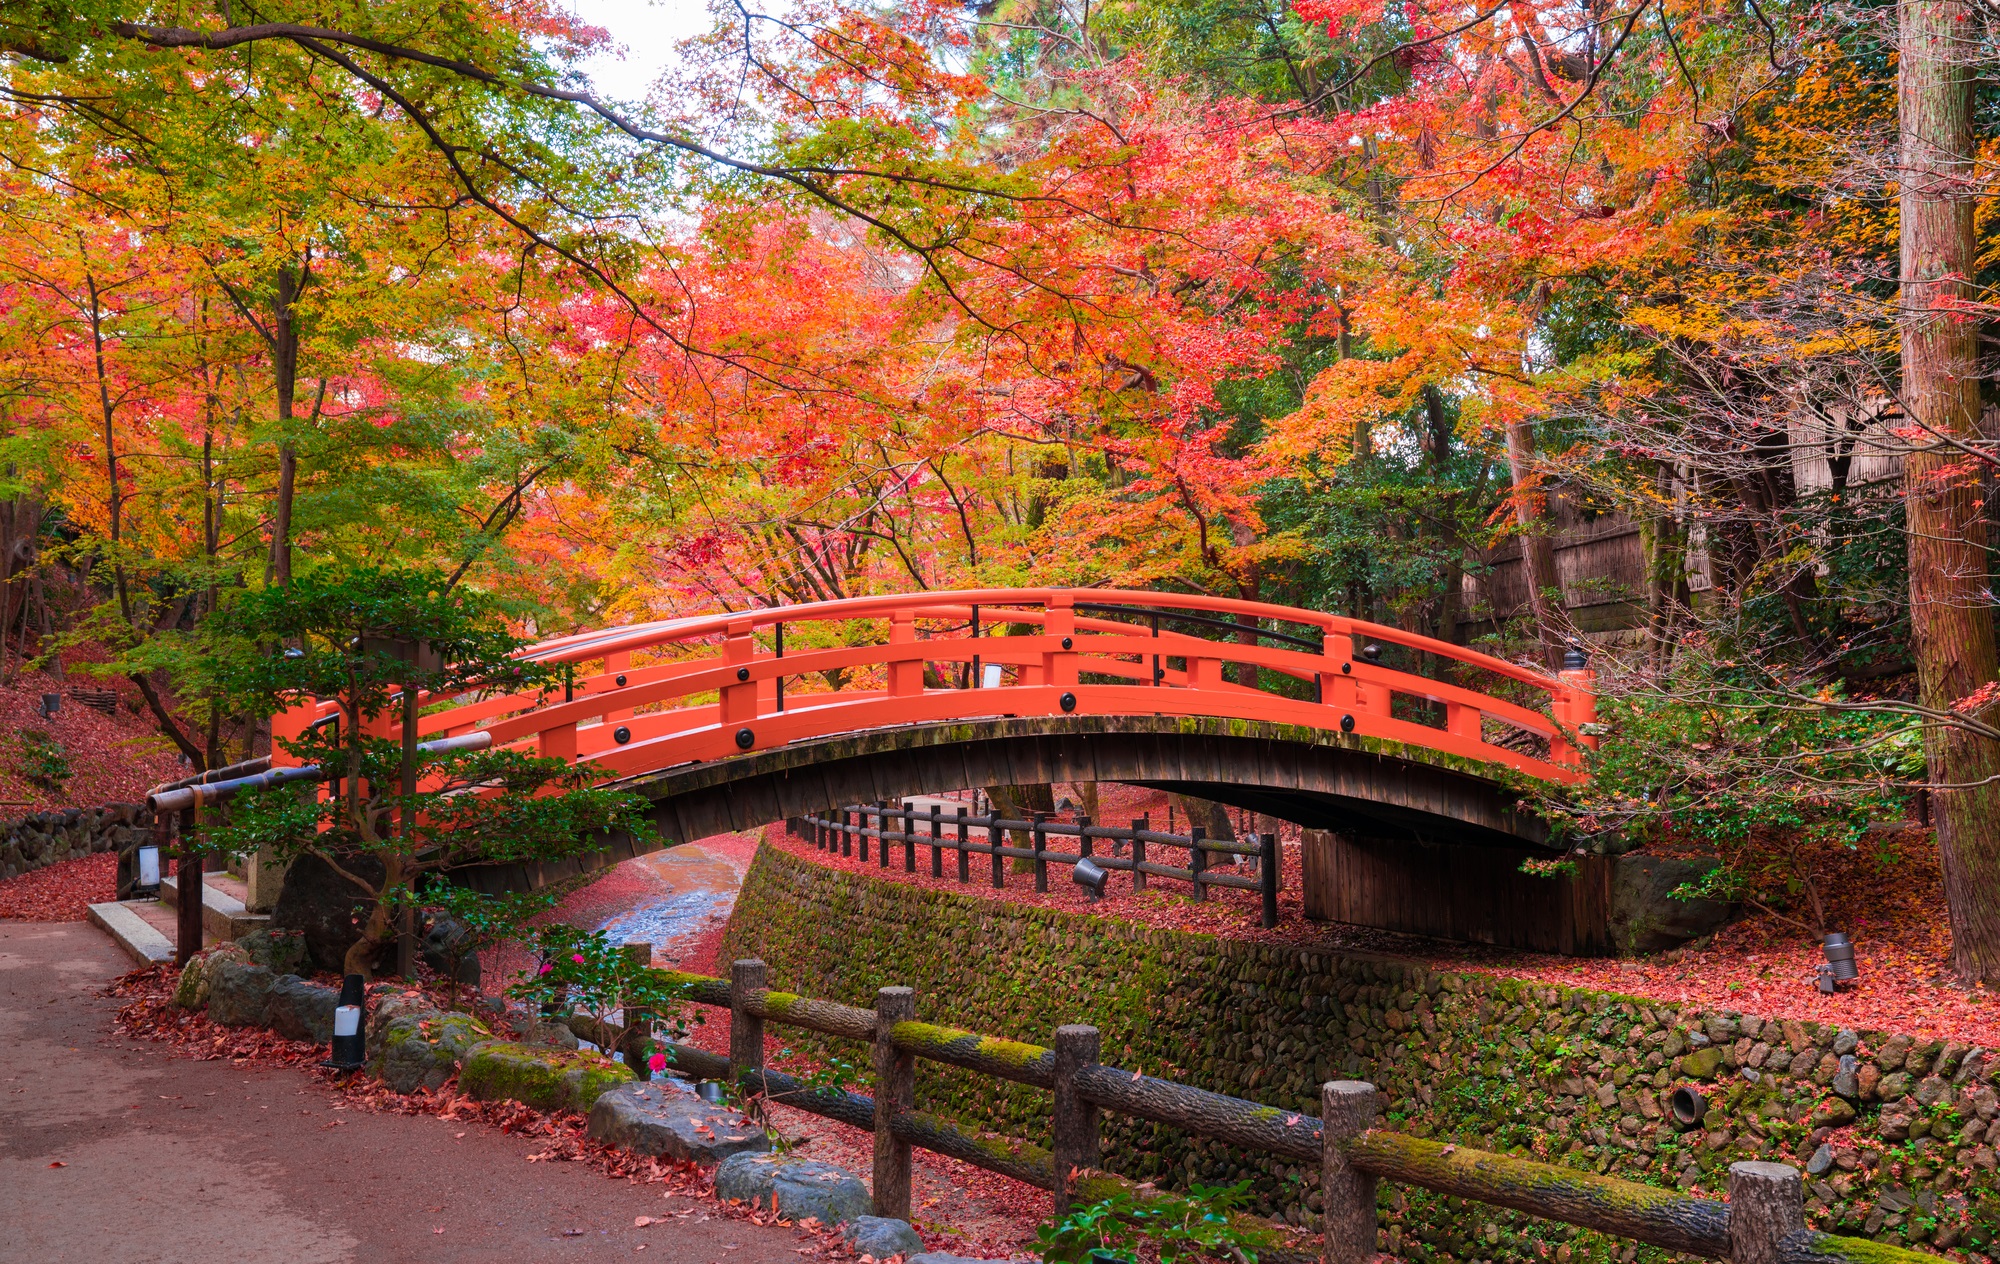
{"type": "Point", "coordinates": [599, 642]}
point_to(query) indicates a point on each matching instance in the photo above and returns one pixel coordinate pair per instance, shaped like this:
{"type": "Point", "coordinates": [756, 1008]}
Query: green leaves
{"type": "Point", "coordinates": [1201, 1224]}
{"type": "Point", "coordinates": [361, 634]}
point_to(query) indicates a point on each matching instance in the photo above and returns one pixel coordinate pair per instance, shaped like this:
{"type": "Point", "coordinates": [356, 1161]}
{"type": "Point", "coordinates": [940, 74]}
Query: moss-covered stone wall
{"type": "Point", "coordinates": [1897, 1134]}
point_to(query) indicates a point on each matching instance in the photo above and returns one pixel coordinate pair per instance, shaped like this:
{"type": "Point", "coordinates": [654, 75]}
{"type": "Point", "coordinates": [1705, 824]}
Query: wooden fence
{"type": "Point", "coordinates": [1763, 1221]}
{"type": "Point", "coordinates": [849, 831]}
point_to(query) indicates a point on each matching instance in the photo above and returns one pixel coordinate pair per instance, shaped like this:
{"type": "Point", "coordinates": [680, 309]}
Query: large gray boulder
{"type": "Point", "coordinates": [882, 1237]}
{"type": "Point", "coordinates": [326, 909]}
{"type": "Point", "coordinates": [282, 952]}
{"type": "Point", "coordinates": [412, 1044]}
{"type": "Point", "coordinates": [1645, 916]}
{"type": "Point", "coordinates": [298, 1010]}
{"type": "Point", "coordinates": [239, 994]}
{"type": "Point", "coordinates": [660, 1119]}
{"type": "Point", "coordinates": [801, 1189]}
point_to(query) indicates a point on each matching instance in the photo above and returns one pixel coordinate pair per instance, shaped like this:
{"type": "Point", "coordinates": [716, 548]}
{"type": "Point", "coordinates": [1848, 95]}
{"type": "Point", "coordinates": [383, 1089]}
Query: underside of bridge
{"type": "Point", "coordinates": [1322, 780]}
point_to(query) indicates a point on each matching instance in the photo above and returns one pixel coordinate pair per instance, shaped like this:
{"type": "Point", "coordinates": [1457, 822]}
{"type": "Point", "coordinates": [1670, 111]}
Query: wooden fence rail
{"type": "Point", "coordinates": [1762, 1222]}
{"type": "Point", "coordinates": [848, 832]}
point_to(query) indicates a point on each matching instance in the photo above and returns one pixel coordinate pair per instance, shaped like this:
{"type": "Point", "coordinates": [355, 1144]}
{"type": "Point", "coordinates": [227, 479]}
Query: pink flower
{"type": "Point", "coordinates": [578, 958]}
{"type": "Point", "coordinates": [546, 967]}
{"type": "Point", "coordinates": [658, 1062]}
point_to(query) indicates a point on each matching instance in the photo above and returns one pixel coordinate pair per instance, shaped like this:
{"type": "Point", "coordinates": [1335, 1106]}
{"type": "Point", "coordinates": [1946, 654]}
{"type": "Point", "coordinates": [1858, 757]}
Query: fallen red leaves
{"type": "Point", "coordinates": [149, 1013]}
{"type": "Point", "coordinates": [112, 758]}
{"type": "Point", "coordinates": [1888, 897]}
{"type": "Point", "coordinates": [62, 892]}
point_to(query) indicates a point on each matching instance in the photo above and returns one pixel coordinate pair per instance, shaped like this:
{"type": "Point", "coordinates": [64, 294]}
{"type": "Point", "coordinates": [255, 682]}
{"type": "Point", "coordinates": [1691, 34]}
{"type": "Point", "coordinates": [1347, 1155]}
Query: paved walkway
{"type": "Point", "coordinates": [164, 1159]}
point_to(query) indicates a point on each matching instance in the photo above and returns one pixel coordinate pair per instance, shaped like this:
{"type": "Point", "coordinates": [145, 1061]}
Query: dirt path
{"type": "Point", "coordinates": [112, 1149]}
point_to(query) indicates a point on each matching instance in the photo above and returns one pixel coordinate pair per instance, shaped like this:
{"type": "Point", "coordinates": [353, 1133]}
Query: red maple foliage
{"type": "Point", "coordinates": [62, 892]}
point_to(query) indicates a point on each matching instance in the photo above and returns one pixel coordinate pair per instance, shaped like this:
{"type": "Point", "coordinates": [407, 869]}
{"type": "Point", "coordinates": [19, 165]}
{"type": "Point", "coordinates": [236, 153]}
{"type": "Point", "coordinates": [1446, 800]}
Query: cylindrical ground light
{"type": "Point", "coordinates": [350, 1043]}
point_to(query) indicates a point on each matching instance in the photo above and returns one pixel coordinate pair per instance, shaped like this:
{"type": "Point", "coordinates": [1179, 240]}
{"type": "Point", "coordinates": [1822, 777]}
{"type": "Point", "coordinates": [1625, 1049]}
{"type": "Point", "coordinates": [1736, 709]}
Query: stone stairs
{"type": "Point", "coordinates": [146, 929]}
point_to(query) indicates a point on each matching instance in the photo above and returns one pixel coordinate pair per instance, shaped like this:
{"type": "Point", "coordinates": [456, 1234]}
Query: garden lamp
{"type": "Point", "coordinates": [1091, 876]}
{"type": "Point", "coordinates": [149, 871]}
{"type": "Point", "coordinates": [350, 1046]}
{"type": "Point", "coordinates": [1839, 968]}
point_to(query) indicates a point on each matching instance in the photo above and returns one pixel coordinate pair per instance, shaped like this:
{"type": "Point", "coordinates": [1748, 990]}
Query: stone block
{"type": "Point", "coordinates": [539, 1076]}
{"type": "Point", "coordinates": [299, 1010]}
{"type": "Point", "coordinates": [882, 1237]}
{"type": "Point", "coordinates": [660, 1119]}
{"type": "Point", "coordinates": [798, 1188]}
{"type": "Point", "coordinates": [239, 994]}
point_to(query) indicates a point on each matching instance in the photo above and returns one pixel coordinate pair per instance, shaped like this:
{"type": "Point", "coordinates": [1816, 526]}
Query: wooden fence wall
{"type": "Point", "coordinates": [1452, 891]}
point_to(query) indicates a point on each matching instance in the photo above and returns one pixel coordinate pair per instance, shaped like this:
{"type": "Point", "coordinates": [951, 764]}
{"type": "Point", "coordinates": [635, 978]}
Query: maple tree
{"type": "Point", "coordinates": [1320, 301]}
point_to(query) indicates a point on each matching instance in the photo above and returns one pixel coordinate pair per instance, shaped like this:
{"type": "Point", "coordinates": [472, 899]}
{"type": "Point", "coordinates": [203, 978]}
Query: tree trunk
{"type": "Point", "coordinates": [1538, 551]}
{"type": "Point", "coordinates": [1951, 616]}
{"type": "Point", "coordinates": [285, 374]}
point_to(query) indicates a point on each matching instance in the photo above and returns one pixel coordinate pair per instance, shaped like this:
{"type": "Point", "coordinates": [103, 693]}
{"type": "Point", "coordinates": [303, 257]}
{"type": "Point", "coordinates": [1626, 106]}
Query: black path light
{"type": "Point", "coordinates": [1839, 969]}
{"type": "Point", "coordinates": [350, 1043]}
{"type": "Point", "coordinates": [1091, 876]}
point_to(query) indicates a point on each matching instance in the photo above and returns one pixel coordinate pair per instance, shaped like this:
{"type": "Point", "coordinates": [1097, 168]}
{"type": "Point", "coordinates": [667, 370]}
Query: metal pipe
{"type": "Point", "coordinates": [218, 791]}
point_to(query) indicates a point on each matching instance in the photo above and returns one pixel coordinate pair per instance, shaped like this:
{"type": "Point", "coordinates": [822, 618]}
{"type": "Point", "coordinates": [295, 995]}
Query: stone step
{"type": "Point", "coordinates": [222, 913]}
{"type": "Point", "coordinates": [132, 932]}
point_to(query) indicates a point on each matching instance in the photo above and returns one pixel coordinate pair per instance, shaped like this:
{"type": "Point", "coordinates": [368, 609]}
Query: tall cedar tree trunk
{"type": "Point", "coordinates": [1951, 616]}
{"type": "Point", "coordinates": [1538, 550]}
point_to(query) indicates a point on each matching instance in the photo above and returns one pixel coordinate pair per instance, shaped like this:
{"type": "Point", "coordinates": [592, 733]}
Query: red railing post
{"type": "Point", "coordinates": [739, 695]}
{"type": "Point", "coordinates": [906, 667]}
{"type": "Point", "coordinates": [1336, 681]}
{"type": "Point", "coordinates": [1059, 625]}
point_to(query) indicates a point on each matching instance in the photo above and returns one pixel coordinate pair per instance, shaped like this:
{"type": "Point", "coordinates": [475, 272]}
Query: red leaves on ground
{"type": "Point", "coordinates": [150, 1013]}
{"type": "Point", "coordinates": [112, 758]}
{"type": "Point", "coordinates": [61, 892]}
{"type": "Point", "coordinates": [1887, 897]}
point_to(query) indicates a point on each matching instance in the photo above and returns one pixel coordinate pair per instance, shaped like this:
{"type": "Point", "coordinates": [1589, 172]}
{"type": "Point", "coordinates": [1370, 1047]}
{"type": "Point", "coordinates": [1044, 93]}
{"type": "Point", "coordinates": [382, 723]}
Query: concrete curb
{"type": "Point", "coordinates": [133, 933]}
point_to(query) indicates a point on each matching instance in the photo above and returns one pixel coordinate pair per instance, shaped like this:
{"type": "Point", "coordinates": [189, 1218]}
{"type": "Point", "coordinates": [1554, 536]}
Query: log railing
{"type": "Point", "coordinates": [907, 828]}
{"type": "Point", "coordinates": [1762, 1222]}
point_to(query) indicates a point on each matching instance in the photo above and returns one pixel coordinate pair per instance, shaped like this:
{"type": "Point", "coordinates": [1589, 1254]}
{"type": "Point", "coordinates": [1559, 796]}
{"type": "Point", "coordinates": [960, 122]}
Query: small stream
{"type": "Point", "coordinates": [699, 891]}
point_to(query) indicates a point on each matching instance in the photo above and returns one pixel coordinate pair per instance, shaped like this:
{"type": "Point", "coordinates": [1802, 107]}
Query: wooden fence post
{"type": "Point", "coordinates": [882, 823]}
{"type": "Point", "coordinates": [964, 872]}
{"type": "Point", "coordinates": [861, 830]}
{"type": "Point", "coordinates": [1041, 844]}
{"type": "Point", "coordinates": [909, 831]}
{"type": "Point", "coordinates": [1269, 877]}
{"type": "Point", "coordinates": [895, 1090]}
{"type": "Point", "coordinates": [746, 1031]}
{"type": "Point", "coordinates": [1082, 835]}
{"type": "Point", "coordinates": [993, 837]}
{"type": "Point", "coordinates": [937, 840]}
{"type": "Point", "coordinates": [1347, 1195]}
{"type": "Point", "coordinates": [187, 892]}
{"type": "Point", "coordinates": [1139, 851]}
{"type": "Point", "coordinates": [1766, 1202]}
{"type": "Point", "coordinates": [1076, 1146]}
{"type": "Point", "coordinates": [1198, 862]}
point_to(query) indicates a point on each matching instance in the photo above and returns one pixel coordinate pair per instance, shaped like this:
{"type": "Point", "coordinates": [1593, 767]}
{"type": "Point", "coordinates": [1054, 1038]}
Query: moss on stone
{"type": "Point", "coordinates": [539, 1076]}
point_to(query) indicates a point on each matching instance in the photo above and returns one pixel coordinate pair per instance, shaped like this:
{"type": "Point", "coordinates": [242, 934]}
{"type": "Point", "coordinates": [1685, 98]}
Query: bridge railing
{"type": "Point", "coordinates": [653, 696]}
{"type": "Point", "coordinates": [1208, 858]}
{"type": "Point", "coordinates": [1763, 1222]}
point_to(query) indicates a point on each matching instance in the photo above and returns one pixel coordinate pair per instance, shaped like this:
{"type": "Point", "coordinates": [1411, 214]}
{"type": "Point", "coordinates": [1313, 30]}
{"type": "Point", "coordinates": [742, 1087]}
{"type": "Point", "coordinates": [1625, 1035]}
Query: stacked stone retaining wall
{"type": "Point", "coordinates": [45, 838]}
{"type": "Point", "coordinates": [1897, 1133]}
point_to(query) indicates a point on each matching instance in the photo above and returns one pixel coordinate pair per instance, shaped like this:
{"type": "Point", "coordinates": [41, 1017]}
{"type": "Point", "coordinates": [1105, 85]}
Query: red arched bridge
{"type": "Point", "coordinates": [734, 720]}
